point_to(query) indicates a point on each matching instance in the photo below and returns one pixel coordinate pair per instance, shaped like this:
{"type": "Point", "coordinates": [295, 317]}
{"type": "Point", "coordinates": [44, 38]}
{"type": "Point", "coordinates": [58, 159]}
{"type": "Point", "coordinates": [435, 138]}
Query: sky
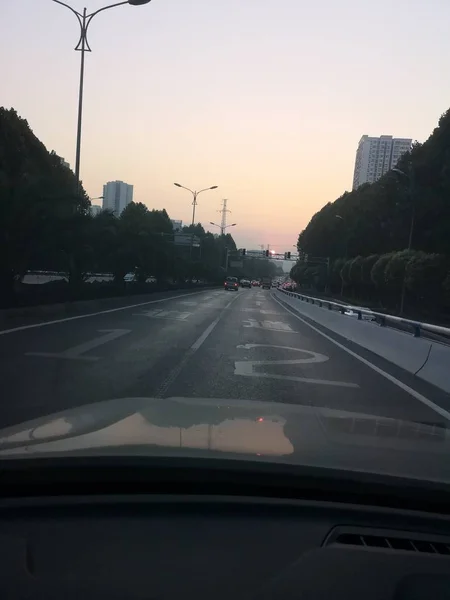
{"type": "Point", "coordinates": [267, 100]}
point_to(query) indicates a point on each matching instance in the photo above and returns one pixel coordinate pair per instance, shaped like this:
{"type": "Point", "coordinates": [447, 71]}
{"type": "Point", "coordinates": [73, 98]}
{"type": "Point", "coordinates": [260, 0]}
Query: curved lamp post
{"type": "Point", "coordinates": [222, 229]}
{"type": "Point", "coordinates": [84, 21]}
{"type": "Point", "coordinates": [195, 194]}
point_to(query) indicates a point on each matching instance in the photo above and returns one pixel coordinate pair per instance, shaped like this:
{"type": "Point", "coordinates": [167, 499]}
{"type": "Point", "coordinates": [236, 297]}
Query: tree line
{"type": "Point", "coordinates": [46, 224]}
{"type": "Point", "coordinates": [387, 237]}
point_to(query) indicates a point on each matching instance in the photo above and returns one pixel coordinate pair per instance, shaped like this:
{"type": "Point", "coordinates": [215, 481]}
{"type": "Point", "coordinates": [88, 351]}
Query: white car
{"type": "Point", "coordinates": [352, 311]}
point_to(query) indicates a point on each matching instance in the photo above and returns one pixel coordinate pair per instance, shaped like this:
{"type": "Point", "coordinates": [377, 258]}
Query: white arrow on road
{"type": "Point", "coordinates": [76, 352]}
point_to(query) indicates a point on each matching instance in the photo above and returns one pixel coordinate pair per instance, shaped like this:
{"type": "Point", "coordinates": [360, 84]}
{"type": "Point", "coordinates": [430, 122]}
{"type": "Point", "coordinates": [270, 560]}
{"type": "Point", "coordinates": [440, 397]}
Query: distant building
{"type": "Point", "coordinates": [116, 196]}
{"type": "Point", "coordinates": [95, 209]}
{"type": "Point", "coordinates": [177, 225]}
{"type": "Point", "coordinates": [376, 156]}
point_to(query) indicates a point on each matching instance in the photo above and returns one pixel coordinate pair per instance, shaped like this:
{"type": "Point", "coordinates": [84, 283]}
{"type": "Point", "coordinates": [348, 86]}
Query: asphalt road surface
{"type": "Point", "coordinates": [242, 345]}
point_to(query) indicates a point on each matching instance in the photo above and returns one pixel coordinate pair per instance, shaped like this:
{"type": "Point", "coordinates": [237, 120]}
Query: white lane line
{"type": "Point", "coordinates": [388, 376]}
{"type": "Point", "coordinates": [192, 350]}
{"type": "Point", "coordinates": [101, 312]}
{"type": "Point", "coordinates": [76, 352]}
{"type": "Point", "coordinates": [196, 345]}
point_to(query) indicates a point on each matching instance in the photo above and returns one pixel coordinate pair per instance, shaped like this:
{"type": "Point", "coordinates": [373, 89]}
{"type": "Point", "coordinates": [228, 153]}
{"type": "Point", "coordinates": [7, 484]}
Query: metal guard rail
{"type": "Point", "coordinates": [381, 318]}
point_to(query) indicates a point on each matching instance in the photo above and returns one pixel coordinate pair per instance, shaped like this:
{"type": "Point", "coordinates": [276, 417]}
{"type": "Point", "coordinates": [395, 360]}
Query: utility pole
{"type": "Point", "coordinates": [223, 212]}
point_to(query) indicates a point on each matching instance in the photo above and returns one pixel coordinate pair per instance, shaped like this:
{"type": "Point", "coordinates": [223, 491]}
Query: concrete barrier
{"type": "Point", "coordinates": [428, 360]}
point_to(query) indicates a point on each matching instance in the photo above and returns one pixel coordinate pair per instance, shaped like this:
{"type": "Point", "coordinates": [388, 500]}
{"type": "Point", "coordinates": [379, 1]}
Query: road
{"type": "Point", "coordinates": [241, 345]}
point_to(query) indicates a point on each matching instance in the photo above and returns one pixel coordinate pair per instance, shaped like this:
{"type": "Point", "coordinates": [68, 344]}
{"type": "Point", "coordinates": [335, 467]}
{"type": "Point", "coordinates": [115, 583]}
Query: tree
{"type": "Point", "coordinates": [378, 273]}
{"type": "Point", "coordinates": [426, 276]}
{"type": "Point", "coordinates": [375, 218]}
{"type": "Point", "coordinates": [395, 268]}
{"type": "Point", "coordinates": [38, 198]}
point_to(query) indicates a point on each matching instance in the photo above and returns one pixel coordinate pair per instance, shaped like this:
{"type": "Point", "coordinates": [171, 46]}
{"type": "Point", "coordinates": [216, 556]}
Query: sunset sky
{"type": "Point", "coordinates": [265, 99]}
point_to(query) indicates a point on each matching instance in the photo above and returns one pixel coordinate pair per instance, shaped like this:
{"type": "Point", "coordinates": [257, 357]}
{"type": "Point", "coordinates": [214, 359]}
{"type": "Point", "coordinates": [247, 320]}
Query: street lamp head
{"type": "Point", "coordinates": [214, 187]}
{"type": "Point", "coordinates": [177, 184]}
{"type": "Point", "coordinates": [138, 2]}
{"type": "Point", "coordinates": [399, 171]}
{"type": "Point", "coordinates": [233, 224]}
{"type": "Point", "coordinates": [339, 217]}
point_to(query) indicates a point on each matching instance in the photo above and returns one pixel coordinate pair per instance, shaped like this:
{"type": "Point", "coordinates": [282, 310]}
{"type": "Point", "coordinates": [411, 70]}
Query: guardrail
{"type": "Point", "coordinates": [417, 328]}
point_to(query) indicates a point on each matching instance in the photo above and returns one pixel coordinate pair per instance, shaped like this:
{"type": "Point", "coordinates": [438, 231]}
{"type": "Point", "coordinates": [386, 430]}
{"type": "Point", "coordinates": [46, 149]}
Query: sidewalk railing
{"type": "Point", "coordinates": [418, 329]}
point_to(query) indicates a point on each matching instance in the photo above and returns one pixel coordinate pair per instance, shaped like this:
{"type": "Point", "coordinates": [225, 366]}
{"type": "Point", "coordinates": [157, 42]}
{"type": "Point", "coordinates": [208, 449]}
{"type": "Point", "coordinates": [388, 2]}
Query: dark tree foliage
{"type": "Point", "coordinates": [365, 233]}
{"type": "Point", "coordinates": [45, 224]}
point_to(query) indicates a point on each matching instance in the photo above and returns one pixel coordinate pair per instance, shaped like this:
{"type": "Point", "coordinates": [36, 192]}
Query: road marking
{"type": "Point", "coordinates": [157, 313]}
{"type": "Point", "coordinates": [246, 368]}
{"type": "Point", "coordinates": [303, 379]}
{"type": "Point", "coordinates": [258, 302]}
{"type": "Point", "coordinates": [192, 350]}
{"type": "Point", "coordinates": [76, 352]}
{"type": "Point", "coordinates": [260, 311]}
{"type": "Point", "coordinates": [272, 325]}
{"type": "Point", "coordinates": [187, 303]}
{"type": "Point", "coordinates": [388, 376]}
{"type": "Point", "coordinates": [101, 312]}
{"type": "Point", "coordinates": [196, 345]}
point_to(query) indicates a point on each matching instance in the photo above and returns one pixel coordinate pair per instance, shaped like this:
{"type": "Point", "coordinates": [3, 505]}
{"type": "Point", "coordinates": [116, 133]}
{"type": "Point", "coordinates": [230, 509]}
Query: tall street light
{"type": "Point", "coordinates": [195, 194]}
{"type": "Point", "coordinates": [84, 21]}
{"type": "Point", "coordinates": [409, 177]}
{"type": "Point", "coordinates": [222, 228]}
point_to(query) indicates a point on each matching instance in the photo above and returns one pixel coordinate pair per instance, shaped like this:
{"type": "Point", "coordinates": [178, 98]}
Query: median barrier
{"type": "Point", "coordinates": [423, 358]}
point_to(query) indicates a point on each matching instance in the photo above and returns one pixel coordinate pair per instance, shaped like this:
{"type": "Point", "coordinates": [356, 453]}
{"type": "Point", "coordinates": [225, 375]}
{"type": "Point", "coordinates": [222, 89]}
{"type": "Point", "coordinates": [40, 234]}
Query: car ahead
{"type": "Point", "coordinates": [231, 283]}
{"type": "Point", "coordinates": [246, 283]}
{"type": "Point", "coordinates": [256, 283]}
{"type": "Point", "coordinates": [266, 283]}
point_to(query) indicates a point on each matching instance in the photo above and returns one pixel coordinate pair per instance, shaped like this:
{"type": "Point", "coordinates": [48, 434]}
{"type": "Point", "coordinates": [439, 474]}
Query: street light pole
{"type": "Point", "coordinates": [222, 227]}
{"type": "Point", "coordinates": [84, 20]}
{"type": "Point", "coordinates": [195, 194]}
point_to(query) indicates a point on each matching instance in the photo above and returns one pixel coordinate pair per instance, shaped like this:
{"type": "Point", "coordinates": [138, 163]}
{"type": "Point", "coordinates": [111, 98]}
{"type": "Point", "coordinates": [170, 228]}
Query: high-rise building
{"type": "Point", "coordinates": [376, 156]}
{"type": "Point", "coordinates": [116, 196]}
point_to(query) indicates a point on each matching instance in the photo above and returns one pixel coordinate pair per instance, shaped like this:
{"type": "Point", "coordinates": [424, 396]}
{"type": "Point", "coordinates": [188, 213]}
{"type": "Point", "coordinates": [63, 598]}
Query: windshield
{"type": "Point", "coordinates": [309, 323]}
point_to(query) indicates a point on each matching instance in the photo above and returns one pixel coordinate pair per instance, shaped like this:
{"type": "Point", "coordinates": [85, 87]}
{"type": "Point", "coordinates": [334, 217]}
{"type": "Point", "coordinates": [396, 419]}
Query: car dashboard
{"type": "Point", "coordinates": [169, 542]}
